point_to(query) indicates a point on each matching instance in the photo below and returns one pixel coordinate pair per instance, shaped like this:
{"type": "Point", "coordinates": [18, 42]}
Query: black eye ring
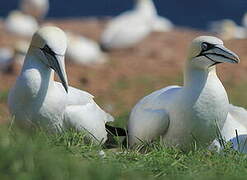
{"type": "Point", "coordinates": [204, 46]}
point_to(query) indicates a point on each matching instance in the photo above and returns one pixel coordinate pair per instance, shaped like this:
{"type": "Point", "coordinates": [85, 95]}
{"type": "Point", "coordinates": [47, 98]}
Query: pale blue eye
{"type": "Point", "coordinates": [204, 46]}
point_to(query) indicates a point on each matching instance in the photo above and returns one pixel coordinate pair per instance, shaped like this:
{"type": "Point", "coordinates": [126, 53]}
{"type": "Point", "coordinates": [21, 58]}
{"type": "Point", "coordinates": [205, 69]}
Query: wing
{"type": "Point", "coordinates": [149, 119]}
{"type": "Point", "coordinates": [90, 118]}
{"type": "Point", "coordinates": [236, 120]}
{"type": "Point", "coordinates": [75, 96]}
{"type": "Point", "coordinates": [125, 31]}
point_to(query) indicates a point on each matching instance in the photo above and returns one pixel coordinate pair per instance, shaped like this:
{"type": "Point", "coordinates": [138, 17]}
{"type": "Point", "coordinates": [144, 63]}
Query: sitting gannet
{"type": "Point", "coordinates": [21, 24]}
{"type": "Point", "coordinates": [82, 50]}
{"type": "Point", "coordinates": [228, 29]}
{"type": "Point", "coordinates": [131, 27]}
{"type": "Point", "coordinates": [35, 8]}
{"type": "Point", "coordinates": [36, 99]}
{"type": "Point", "coordinates": [188, 114]}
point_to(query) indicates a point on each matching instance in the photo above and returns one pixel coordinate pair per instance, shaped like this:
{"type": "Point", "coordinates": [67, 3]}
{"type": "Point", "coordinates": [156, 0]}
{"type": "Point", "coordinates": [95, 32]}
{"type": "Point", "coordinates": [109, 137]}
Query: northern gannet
{"type": "Point", "coordinates": [188, 114]}
{"type": "Point", "coordinates": [82, 50]}
{"type": "Point", "coordinates": [21, 24]}
{"type": "Point", "coordinates": [36, 99]}
{"type": "Point", "coordinates": [35, 8]}
{"type": "Point", "coordinates": [228, 29]}
{"type": "Point", "coordinates": [129, 28]}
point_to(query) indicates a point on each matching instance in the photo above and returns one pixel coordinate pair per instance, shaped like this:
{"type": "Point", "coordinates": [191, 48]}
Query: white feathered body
{"type": "Point", "coordinates": [181, 116]}
{"type": "Point", "coordinates": [84, 51]}
{"type": "Point", "coordinates": [131, 27]}
{"type": "Point", "coordinates": [21, 24]}
{"type": "Point", "coordinates": [37, 99]}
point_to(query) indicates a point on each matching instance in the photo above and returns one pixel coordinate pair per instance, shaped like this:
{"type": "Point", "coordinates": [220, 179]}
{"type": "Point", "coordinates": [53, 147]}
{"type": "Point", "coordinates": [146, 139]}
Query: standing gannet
{"type": "Point", "coordinates": [36, 99]}
{"type": "Point", "coordinates": [82, 50]}
{"type": "Point", "coordinates": [131, 27]}
{"type": "Point", "coordinates": [188, 114]}
{"type": "Point", "coordinates": [35, 8]}
{"type": "Point", "coordinates": [21, 24]}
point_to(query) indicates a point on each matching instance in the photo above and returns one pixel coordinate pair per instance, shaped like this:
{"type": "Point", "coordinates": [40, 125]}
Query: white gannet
{"type": "Point", "coordinates": [6, 59]}
{"type": "Point", "coordinates": [35, 8]}
{"type": "Point", "coordinates": [129, 28]}
{"type": "Point", "coordinates": [183, 115]}
{"type": "Point", "coordinates": [228, 29]}
{"type": "Point", "coordinates": [36, 99]}
{"type": "Point", "coordinates": [21, 24]}
{"type": "Point", "coordinates": [82, 50]}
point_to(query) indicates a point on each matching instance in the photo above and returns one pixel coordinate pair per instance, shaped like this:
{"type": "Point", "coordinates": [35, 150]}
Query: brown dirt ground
{"type": "Point", "coordinates": [131, 73]}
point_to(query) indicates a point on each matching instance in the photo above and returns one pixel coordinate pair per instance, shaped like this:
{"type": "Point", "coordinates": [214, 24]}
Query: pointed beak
{"type": "Point", "coordinates": [57, 64]}
{"type": "Point", "coordinates": [220, 54]}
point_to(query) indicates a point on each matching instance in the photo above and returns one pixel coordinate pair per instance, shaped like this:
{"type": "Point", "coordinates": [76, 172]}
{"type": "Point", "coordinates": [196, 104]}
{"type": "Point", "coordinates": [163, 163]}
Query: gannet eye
{"type": "Point", "coordinates": [204, 46]}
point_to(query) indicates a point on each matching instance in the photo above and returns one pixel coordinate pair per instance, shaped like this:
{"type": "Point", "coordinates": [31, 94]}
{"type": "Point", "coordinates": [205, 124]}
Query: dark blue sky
{"type": "Point", "coordinates": [192, 13]}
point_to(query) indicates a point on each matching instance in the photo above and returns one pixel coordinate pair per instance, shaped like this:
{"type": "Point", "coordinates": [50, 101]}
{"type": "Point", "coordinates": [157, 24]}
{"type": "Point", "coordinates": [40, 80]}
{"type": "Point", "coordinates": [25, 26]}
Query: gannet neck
{"type": "Point", "coordinates": [146, 7]}
{"type": "Point", "coordinates": [35, 75]}
{"type": "Point", "coordinates": [198, 77]}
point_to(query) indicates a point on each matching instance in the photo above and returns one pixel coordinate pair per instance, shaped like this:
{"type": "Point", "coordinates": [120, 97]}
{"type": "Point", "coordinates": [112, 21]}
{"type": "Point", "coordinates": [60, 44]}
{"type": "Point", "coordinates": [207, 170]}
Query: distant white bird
{"type": "Point", "coordinates": [129, 28]}
{"type": "Point", "coordinates": [36, 99]}
{"type": "Point", "coordinates": [188, 114]}
{"type": "Point", "coordinates": [82, 50]}
{"type": "Point", "coordinates": [228, 29]}
{"type": "Point", "coordinates": [6, 59]}
{"type": "Point", "coordinates": [35, 8]}
{"type": "Point", "coordinates": [21, 24]}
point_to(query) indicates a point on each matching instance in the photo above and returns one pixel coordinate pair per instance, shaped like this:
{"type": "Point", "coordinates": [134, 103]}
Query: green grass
{"type": "Point", "coordinates": [66, 156]}
{"type": "Point", "coordinates": [3, 96]}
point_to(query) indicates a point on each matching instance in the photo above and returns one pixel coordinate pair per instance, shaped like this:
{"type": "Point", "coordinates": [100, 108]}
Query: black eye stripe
{"type": "Point", "coordinates": [206, 46]}
{"type": "Point", "coordinates": [48, 50]}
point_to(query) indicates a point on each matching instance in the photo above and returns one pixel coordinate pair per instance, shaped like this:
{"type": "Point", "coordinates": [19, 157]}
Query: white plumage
{"type": "Point", "coordinates": [129, 28]}
{"type": "Point", "coordinates": [188, 114]}
{"type": "Point", "coordinates": [82, 50]}
{"type": "Point", "coordinates": [234, 130]}
{"type": "Point", "coordinates": [36, 99]}
{"type": "Point", "coordinates": [21, 24]}
{"type": "Point", "coordinates": [228, 29]}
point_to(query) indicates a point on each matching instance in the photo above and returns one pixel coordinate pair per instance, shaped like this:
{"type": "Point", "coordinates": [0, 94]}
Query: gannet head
{"type": "Point", "coordinates": [207, 51]}
{"type": "Point", "coordinates": [49, 44]}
